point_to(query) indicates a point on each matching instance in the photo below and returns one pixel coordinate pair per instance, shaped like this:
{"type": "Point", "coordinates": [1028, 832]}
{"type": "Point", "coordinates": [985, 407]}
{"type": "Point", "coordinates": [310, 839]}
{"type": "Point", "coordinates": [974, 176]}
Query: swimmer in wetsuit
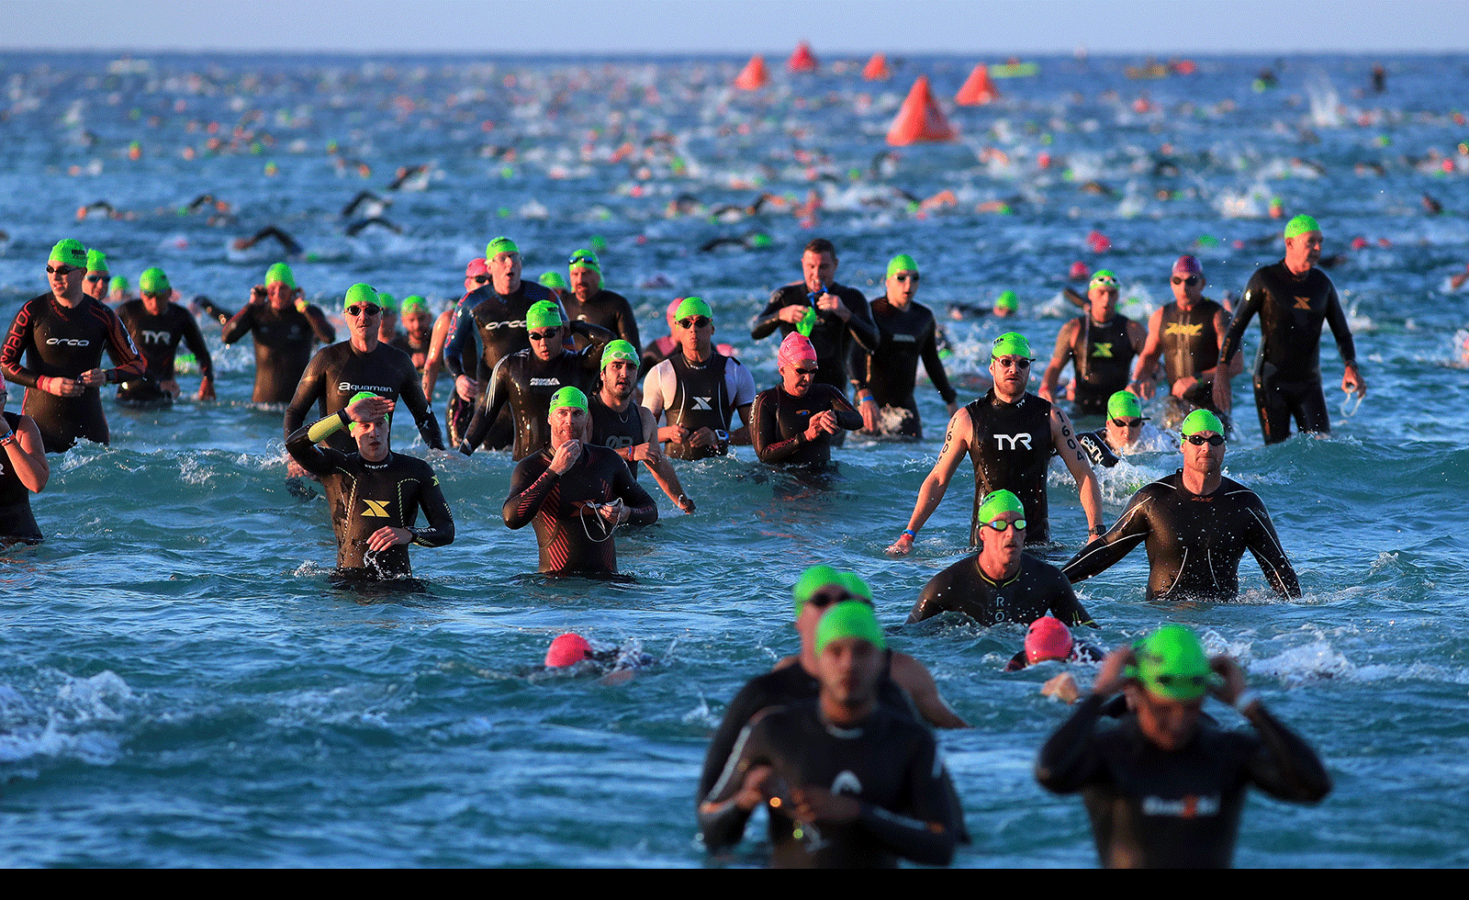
{"type": "Point", "coordinates": [461, 407]}
{"type": "Point", "coordinates": [590, 302]}
{"type": "Point", "coordinates": [1006, 305]}
{"type": "Point", "coordinates": [1187, 335]}
{"type": "Point", "coordinates": [416, 336]}
{"type": "Point", "coordinates": [1162, 788]}
{"type": "Point", "coordinates": [848, 781]}
{"type": "Point", "coordinates": [575, 495]}
{"type": "Point", "coordinates": [1100, 345]}
{"type": "Point", "coordinates": [1001, 583]}
{"type": "Point", "coordinates": [99, 279]}
{"type": "Point", "coordinates": [23, 471]}
{"type": "Point", "coordinates": [794, 422]}
{"type": "Point", "coordinates": [156, 325]}
{"type": "Point", "coordinates": [700, 389]}
{"type": "Point", "coordinates": [906, 333]}
{"type": "Point", "coordinates": [1009, 436]}
{"type": "Point", "coordinates": [626, 428]}
{"type": "Point", "coordinates": [54, 348]}
{"type": "Point", "coordinates": [375, 495]}
{"type": "Point", "coordinates": [1197, 524]}
{"type": "Point", "coordinates": [1293, 299]}
{"type": "Point", "coordinates": [285, 328]}
{"type": "Point", "coordinates": [361, 363]}
{"type": "Point", "coordinates": [1121, 433]}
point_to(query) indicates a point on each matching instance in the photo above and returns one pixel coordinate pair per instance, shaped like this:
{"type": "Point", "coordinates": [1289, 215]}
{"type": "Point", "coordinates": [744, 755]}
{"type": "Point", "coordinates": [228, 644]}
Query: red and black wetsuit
{"type": "Point", "coordinates": [157, 339]}
{"type": "Point", "coordinates": [1036, 589]}
{"type": "Point", "coordinates": [17, 524]}
{"type": "Point", "coordinates": [284, 339]}
{"type": "Point", "coordinates": [338, 372]}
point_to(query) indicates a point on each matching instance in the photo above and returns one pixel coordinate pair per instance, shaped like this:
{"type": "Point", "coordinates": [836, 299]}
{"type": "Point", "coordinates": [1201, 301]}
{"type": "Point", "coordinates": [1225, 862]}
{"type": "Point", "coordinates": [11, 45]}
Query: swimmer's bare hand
{"type": "Point", "coordinates": [1062, 687]}
{"type": "Point", "coordinates": [829, 303]}
{"type": "Point", "coordinates": [704, 437]}
{"type": "Point", "coordinates": [1234, 679]}
{"type": "Point", "coordinates": [206, 389]}
{"type": "Point", "coordinates": [388, 536]}
{"type": "Point", "coordinates": [673, 434]}
{"type": "Point", "coordinates": [755, 789]}
{"type": "Point", "coordinates": [370, 409]}
{"type": "Point", "coordinates": [791, 315]}
{"type": "Point", "coordinates": [814, 804]}
{"type": "Point", "coordinates": [93, 377]}
{"type": "Point", "coordinates": [467, 387]}
{"type": "Point", "coordinates": [1111, 678]}
{"type": "Point", "coordinates": [644, 453]}
{"type": "Point", "coordinates": [901, 547]}
{"type": "Point", "coordinates": [869, 411]}
{"type": "Point", "coordinates": [614, 514]}
{"type": "Point", "coordinates": [1352, 382]}
{"type": "Point", "coordinates": [296, 470]}
{"type": "Point", "coordinates": [169, 387]}
{"type": "Point", "coordinates": [1183, 386]}
{"type": "Point", "coordinates": [258, 294]}
{"type": "Point", "coordinates": [684, 503]}
{"type": "Point", "coordinates": [566, 456]}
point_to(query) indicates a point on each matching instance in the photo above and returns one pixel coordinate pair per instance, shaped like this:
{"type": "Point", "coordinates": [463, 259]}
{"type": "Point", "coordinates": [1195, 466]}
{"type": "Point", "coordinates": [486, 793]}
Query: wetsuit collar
{"type": "Point", "coordinates": [980, 569]}
{"type": "Point", "coordinates": [838, 731]}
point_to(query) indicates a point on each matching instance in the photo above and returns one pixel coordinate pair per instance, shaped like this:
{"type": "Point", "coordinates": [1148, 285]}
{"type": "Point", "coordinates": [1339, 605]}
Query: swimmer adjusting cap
{"type": "Point", "coordinates": [619, 350]}
{"type": "Point", "coordinates": [280, 273]}
{"type": "Point", "coordinates": [153, 281]}
{"type": "Point", "coordinates": [553, 280]}
{"type": "Point", "coordinates": [849, 619]}
{"type": "Point", "coordinates": [360, 293]}
{"type": "Point", "coordinates": [500, 245]}
{"type": "Point", "coordinates": [360, 395]}
{"type": "Point", "coordinates": [1201, 420]}
{"type": "Point", "coordinates": [1011, 343]}
{"type": "Point", "coordinates": [543, 314]}
{"type": "Point", "coordinates": [811, 581]}
{"type": "Point", "coordinates": [997, 503]}
{"type": "Point", "coordinates": [692, 306]}
{"type": "Point", "coordinates": [584, 259]}
{"type": "Point", "coordinates": [1047, 638]}
{"type": "Point", "coordinates": [1171, 663]}
{"type": "Point", "coordinates": [97, 261]}
{"type": "Point", "coordinates": [413, 303]}
{"type": "Point", "coordinates": [1103, 278]}
{"type": "Point", "coordinates": [901, 263]}
{"type": "Point", "coordinates": [1124, 405]}
{"type": "Point", "coordinates": [568, 650]}
{"type": "Point", "coordinates": [1301, 224]}
{"type": "Point", "coordinates": [569, 396]}
{"type": "Point", "coordinates": [1007, 300]}
{"type": "Point", "coordinates": [69, 252]}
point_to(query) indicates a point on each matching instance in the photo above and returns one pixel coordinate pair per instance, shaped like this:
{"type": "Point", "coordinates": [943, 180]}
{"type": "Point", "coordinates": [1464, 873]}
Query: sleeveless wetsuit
{"type": "Point", "coordinates": [904, 337]}
{"type": "Point", "coordinates": [1152, 808]}
{"type": "Point", "coordinates": [1194, 543]}
{"type": "Point", "coordinates": [832, 338]}
{"type": "Point", "coordinates": [779, 422]}
{"type": "Point", "coordinates": [157, 339]}
{"type": "Point", "coordinates": [17, 524]}
{"type": "Point", "coordinates": [1190, 345]}
{"type": "Point", "coordinates": [616, 430]}
{"type": "Point", "coordinates": [573, 539]}
{"type": "Point", "coordinates": [57, 341]}
{"type": "Point", "coordinates": [338, 372]}
{"type": "Point", "coordinates": [608, 309]}
{"type": "Point", "coordinates": [284, 339]}
{"type": "Point", "coordinates": [698, 396]}
{"type": "Point", "coordinates": [1011, 446]}
{"type": "Point", "coordinates": [524, 383]}
{"type": "Point", "coordinates": [1102, 356]}
{"type": "Point", "coordinates": [1037, 588]}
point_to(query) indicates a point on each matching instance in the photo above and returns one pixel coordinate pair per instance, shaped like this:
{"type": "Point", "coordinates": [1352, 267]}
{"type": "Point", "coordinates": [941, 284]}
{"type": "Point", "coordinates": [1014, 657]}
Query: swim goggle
{"type": "Point", "coordinates": [364, 309]}
{"type": "Point", "coordinates": [1000, 525]}
{"type": "Point", "coordinates": [1198, 440]}
{"type": "Point", "coordinates": [1348, 408]}
{"type": "Point", "coordinates": [1129, 423]}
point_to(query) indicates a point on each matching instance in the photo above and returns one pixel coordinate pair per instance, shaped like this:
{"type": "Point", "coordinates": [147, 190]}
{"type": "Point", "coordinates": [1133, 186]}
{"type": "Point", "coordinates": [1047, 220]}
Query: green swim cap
{"type": "Point", "coordinates": [1171, 664]}
{"type": "Point", "coordinates": [599, 243]}
{"type": "Point", "coordinates": [1301, 224]}
{"type": "Point", "coordinates": [69, 252]}
{"type": "Point", "coordinates": [153, 281]}
{"type": "Point", "coordinates": [760, 240]}
{"type": "Point", "coordinates": [584, 259]}
{"type": "Point", "coordinates": [554, 281]}
{"type": "Point", "coordinates": [1201, 420]}
{"type": "Point", "coordinates": [360, 293]}
{"type": "Point", "coordinates": [280, 273]}
{"type": "Point", "coordinates": [413, 303]}
{"type": "Point", "coordinates": [118, 283]}
{"type": "Point", "coordinates": [849, 619]}
{"type": "Point", "coordinates": [1124, 405]}
{"type": "Point", "coordinates": [97, 261]}
{"type": "Point", "coordinates": [901, 263]}
{"type": "Point", "coordinates": [616, 350]}
{"type": "Point", "coordinates": [387, 301]}
{"type": "Point", "coordinates": [543, 314]}
{"type": "Point", "coordinates": [811, 581]}
{"type": "Point", "coordinates": [353, 426]}
{"type": "Point", "coordinates": [568, 396]}
{"type": "Point", "coordinates": [1007, 300]}
{"type": "Point", "coordinates": [1011, 343]}
{"type": "Point", "coordinates": [855, 585]}
{"type": "Point", "coordinates": [1103, 277]}
{"type": "Point", "coordinates": [500, 245]}
{"type": "Point", "coordinates": [996, 503]}
{"type": "Point", "coordinates": [692, 306]}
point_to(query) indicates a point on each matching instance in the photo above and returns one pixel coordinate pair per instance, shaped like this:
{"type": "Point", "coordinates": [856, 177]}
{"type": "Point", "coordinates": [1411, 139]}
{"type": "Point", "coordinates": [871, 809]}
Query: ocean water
{"type": "Point", "coordinates": [180, 686]}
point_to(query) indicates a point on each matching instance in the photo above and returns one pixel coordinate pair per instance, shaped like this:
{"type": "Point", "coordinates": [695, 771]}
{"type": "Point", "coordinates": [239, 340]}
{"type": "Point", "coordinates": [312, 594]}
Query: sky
{"type": "Point", "coordinates": [681, 27]}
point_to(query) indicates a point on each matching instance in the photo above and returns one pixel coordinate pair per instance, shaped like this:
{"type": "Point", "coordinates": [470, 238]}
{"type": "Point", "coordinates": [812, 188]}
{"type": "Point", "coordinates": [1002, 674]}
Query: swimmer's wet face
{"type": "Point", "coordinates": [567, 424]}
{"type": "Point", "coordinates": [505, 272]}
{"type": "Point", "coordinates": [901, 287]}
{"type": "Point", "coordinates": [585, 282]}
{"type": "Point", "coordinates": [363, 318]}
{"type": "Point", "coordinates": [999, 551]}
{"type": "Point", "coordinates": [64, 280]}
{"type": "Point", "coordinates": [818, 269]}
{"type": "Point", "coordinates": [417, 322]}
{"type": "Point", "coordinates": [1102, 301]}
{"type": "Point", "coordinates": [797, 376]}
{"type": "Point", "coordinates": [621, 378]}
{"type": "Point", "coordinates": [1011, 375]}
{"type": "Point", "coordinates": [848, 669]}
{"type": "Point", "coordinates": [1303, 251]}
{"type": "Point", "coordinates": [282, 295]}
{"type": "Point", "coordinates": [1168, 724]}
{"type": "Point", "coordinates": [95, 285]}
{"type": "Point", "coordinates": [1203, 452]}
{"type": "Point", "coordinates": [1188, 290]}
{"type": "Point", "coordinates": [695, 336]}
{"type": "Point", "coordinates": [546, 343]}
{"type": "Point", "coordinates": [372, 439]}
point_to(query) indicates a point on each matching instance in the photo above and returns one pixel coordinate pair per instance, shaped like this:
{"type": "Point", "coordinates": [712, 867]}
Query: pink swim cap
{"type": "Point", "coordinates": [568, 650]}
{"type": "Point", "coordinates": [1047, 638]}
{"type": "Point", "coordinates": [1079, 271]}
{"type": "Point", "coordinates": [475, 268]}
{"type": "Point", "coordinates": [673, 312]}
{"type": "Point", "coordinates": [1188, 265]}
{"type": "Point", "coordinates": [796, 348]}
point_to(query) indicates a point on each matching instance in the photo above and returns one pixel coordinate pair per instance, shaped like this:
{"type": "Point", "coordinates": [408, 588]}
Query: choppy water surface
{"type": "Point", "coordinates": [180, 687]}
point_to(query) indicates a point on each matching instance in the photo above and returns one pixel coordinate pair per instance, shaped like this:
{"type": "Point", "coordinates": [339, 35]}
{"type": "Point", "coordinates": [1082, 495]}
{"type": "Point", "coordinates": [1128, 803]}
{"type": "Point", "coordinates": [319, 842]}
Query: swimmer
{"type": "Point", "coordinates": [1101, 346]}
{"type": "Point", "coordinates": [1006, 305]}
{"type": "Point", "coordinates": [288, 244]}
{"type": "Point", "coordinates": [98, 276]}
{"type": "Point", "coordinates": [1049, 640]}
{"type": "Point", "coordinates": [369, 204]}
{"type": "Point", "coordinates": [355, 228]}
{"type": "Point", "coordinates": [626, 428]}
{"type": "Point", "coordinates": [847, 781]}
{"type": "Point", "coordinates": [1162, 788]}
{"type": "Point", "coordinates": [575, 495]}
{"type": "Point", "coordinates": [700, 389]}
{"type": "Point", "coordinates": [54, 348]}
{"type": "Point", "coordinates": [590, 302]}
{"type": "Point", "coordinates": [572, 654]}
{"type": "Point", "coordinates": [23, 471]}
{"type": "Point", "coordinates": [1294, 299]}
{"type": "Point", "coordinates": [906, 333]}
{"type": "Point", "coordinates": [461, 408]}
{"type": "Point", "coordinates": [794, 421]}
{"type": "Point", "coordinates": [1187, 334]}
{"type": "Point", "coordinates": [417, 333]}
{"type": "Point", "coordinates": [1197, 525]}
{"type": "Point", "coordinates": [1009, 436]}
{"type": "Point", "coordinates": [375, 495]}
{"type": "Point", "coordinates": [553, 282]}
{"type": "Point", "coordinates": [1121, 433]}
{"type": "Point", "coordinates": [285, 329]}
{"type": "Point", "coordinates": [1001, 583]}
{"type": "Point", "coordinates": [156, 325]}
{"type": "Point", "coordinates": [117, 290]}
{"type": "Point", "coordinates": [664, 347]}
{"type": "Point", "coordinates": [387, 321]}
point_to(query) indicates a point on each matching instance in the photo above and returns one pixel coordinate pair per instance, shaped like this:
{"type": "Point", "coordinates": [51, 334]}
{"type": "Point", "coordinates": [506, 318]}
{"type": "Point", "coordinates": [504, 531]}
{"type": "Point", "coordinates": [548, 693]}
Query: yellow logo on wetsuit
{"type": "Point", "coordinates": [1303, 303]}
{"type": "Point", "coordinates": [1184, 329]}
{"type": "Point", "coordinates": [377, 509]}
{"type": "Point", "coordinates": [1102, 351]}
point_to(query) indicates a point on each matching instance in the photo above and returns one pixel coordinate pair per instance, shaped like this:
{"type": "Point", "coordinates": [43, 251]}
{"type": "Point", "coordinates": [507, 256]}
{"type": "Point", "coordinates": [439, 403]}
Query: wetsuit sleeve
{"type": "Point", "coordinates": [17, 341]}
{"type": "Point", "coordinates": [1069, 760]}
{"type": "Point", "coordinates": [301, 444]}
{"type": "Point", "coordinates": [308, 392]}
{"type": "Point", "coordinates": [1130, 529]}
{"type": "Point", "coordinates": [530, 485]}
{"type": "Point", "coordinates": [194, 338]}
{"type": "Point", "coordinates": [1336, 317]}
{"type": "Point", "coordinates": [769, 320]}
{"type": "Point", "coordinates": [766, 433]}
{"type": "Point", "coordinates": [934, 365]}
{"type": "Point", "coordinates": [1264, 545]}
{"type": "Point", "coordinates": [1285, 767]}
{"type": "Point", "coordinates": [929, 833]}
{"type": "Point", "coordinates": [1250, 304]}
{"type": "Point", "coordinates": [751, 699]}
{"type": "Point", "coordinates": [861, 325]}
{"type": "Point", "coordinates": [932, 601]}
{"type": "Point", "coordinates": [323, 329]}
{"type": "Point", "coordinates": [411, 392]}
{"type": "Point", "coordinates": [721, 821]}
{"type": "Point", "coordinates": [487, 410]}
{"type": "Point", "coordinates": [1065, 605]}
{"type": "Point", "coordinates": [638, 502]}
{"type": "Point", "coordinates": [847, 415]}
{"type": "Point", "coordinates": [129, 362]}
{"type": "Point", "coordinates": [461, 329]}
{"type": "Point", "coordinates": [239, 325]}
{"type": "Point", "coordinates": [213, 310]}
{"type": "Point", "coordinates": [1096, 450]}
{"type": "Point", "coordinates": [599, 337]}
{"type": "Point", "coordinates": [440, 530]}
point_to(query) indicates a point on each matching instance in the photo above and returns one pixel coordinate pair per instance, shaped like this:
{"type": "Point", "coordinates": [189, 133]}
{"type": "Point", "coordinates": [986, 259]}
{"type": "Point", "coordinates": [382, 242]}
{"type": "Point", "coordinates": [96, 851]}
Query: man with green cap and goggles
{"type": "Point", "coordinates": [1006, 305]}
{"type": "Point", "coordinates": [575, 494]}
{"type": "Point", "coordinates": [361, 363]}
{"type": "Point", "coordinates": [524, 381]}
{"type": "Point", "coordinates": [700, 389]}
{"type": "Point", "coordinates": [1197, 524]}
{"type": "Point", "coordinates": [906, 333]}
{"type": "Point", "coordinates": [1186, 335]}
{"type": "Point", "coordinates": [417, 334]}
{"type": "Point", "coordinates": [626, 428]}
{"type": "Point", "coordinates": [54, 348]}
{"type": "Point", "coordinates": [1001, 583]}
{"type": "Point", "coordinates": [387, 326]}
{"type": "Point", "coordinates": [590, 302]}
{"type": "Point", "coordinates": [1293, 299]}
{"type": "Point", "coordinates": [847, 780]}
{"type": "Point", "coordinates": [98, 276]}
{"type": "Point", "coordinates": [156, 325]}
{"type": "Point", "coordinates": [1121, 433]}
{"type": "Point", "coordinates": [1100, 345]}
{"type": "Point", "coordinates": [375, 494]}
{"type": "Point", "coordinates": [1010, 436]}
{"type": "Point", "coordinates": [285, 328]}
{"type": "Point", "coordinates": [1163, 788]}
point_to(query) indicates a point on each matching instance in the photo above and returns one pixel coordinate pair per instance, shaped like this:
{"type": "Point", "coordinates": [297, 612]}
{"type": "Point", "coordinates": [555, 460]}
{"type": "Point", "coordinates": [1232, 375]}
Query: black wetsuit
{"type": "Point", "coordinates": [1102, 356]}
{"type": "Point", "coordinates": [832, 338]}
{"type": "Point", "coordinates": [1152, 808]}
{"type": "Point", "coordinates": [1190, 345]}
{"type": "Point", "coordinates": [157, 339]}
{"type": "Point", "coordinates": [415, 345]}
{"type": "Point", "coordinates": [339, 372]}
{"type": "Point", "coordinates": [1288, 366]}
{"type": "Point", "coordinates": [524, 383]}
{"type": "Point", "coordinates": [889, 763]}
{"type": "Point", "coordinates": [904, 337]}
{"type": "Point", "coordinates": [56, 341]}
{"type": "Point", "coordinates": [704, 396]}
{"type": "Point", "coordinates": [573, 539]}
{"type": "Point", "coordinates": [17, 524]}
{"type": "Point", "coordinates": [1010, 445]}
{"type": "Point", "coordinates": [284, 339]}
{"type": "Point", "coordinates": [779, 421]}
{"type": "Point", "coordinates": [1194, 543]}
{"type": "Point", "coordinates": [608, 309]}
{"type": "Point", "coordinates": [366, 496]}
{"type": "Point", "coordinates": [1037, 588]}
{"type": "Point", "coordinates": [1094, 445]}
{"type": "Point", "coordinates": [616, 430]}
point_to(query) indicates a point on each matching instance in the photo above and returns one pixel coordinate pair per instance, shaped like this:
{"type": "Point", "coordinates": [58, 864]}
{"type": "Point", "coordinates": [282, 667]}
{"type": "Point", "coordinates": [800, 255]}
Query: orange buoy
{"type": "Point", "coordinates": [802, 60]}
{"type": "Point", "coordinates": [978, 89]}
{"type": "Point", "coordinates": [877, 68]}
{"type": "Point", "coordinates": [753, 76]}
{"type": "Point", "coordinates": [920, 119]}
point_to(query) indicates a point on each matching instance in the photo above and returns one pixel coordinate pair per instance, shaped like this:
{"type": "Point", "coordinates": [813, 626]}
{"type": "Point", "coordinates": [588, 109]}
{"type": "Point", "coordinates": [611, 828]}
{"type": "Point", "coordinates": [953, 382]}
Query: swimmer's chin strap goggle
{"type": "Point", "coordinates": [1348, 407]}
{"type": "Point", "coordinates": [607, 530]}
